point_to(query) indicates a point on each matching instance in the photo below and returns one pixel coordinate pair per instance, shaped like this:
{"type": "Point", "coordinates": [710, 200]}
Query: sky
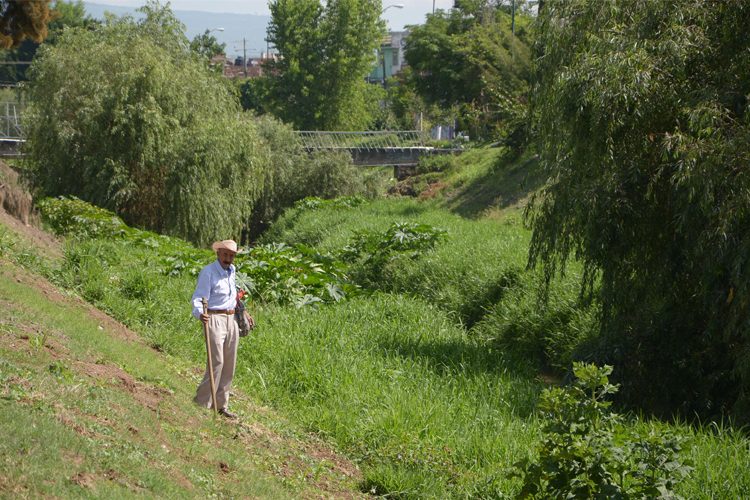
{"type": "Point", "coordinates": [413, 11]}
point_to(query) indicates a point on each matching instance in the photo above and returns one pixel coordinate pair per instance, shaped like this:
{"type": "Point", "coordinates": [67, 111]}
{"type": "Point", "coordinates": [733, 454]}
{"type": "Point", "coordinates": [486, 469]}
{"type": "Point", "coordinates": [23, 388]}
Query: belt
{"type": "Point", "coordinates": [221, 311]}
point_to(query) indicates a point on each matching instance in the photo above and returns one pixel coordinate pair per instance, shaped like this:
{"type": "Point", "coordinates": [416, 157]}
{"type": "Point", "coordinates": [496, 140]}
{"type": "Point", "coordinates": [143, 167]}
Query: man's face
{"type": "Point", "coordinates": [225, 257]}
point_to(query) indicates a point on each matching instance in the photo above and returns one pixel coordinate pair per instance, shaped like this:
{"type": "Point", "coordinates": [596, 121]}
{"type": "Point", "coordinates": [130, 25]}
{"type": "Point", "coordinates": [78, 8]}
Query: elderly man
{"type": "Point", "coordinates": [216, 283]}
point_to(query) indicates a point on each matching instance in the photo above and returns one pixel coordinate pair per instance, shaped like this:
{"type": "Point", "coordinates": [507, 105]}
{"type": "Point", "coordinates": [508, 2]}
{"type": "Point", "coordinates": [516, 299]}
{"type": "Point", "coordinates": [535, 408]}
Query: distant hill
{"type": "Point", "coordinates": [251, 27]}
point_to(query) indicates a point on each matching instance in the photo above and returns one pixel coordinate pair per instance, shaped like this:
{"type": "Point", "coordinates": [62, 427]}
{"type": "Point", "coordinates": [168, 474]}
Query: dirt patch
{"type": "Point", "coordinates": [146, 395]}
{"type": "Point", "coordinates": [432, 190]}
{"type": "Point", "coordinates": [14, 197]}
{"type": "Point", "coordinates": [84, 480]}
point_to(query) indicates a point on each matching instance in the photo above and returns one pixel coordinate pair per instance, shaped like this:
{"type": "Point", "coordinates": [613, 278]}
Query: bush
{"type": "Point", "coordinates": [370, 251]}
{"type": "Point", "coordinates": [588, 452]}
{"type": "Point", "coordinates": [291, 174]}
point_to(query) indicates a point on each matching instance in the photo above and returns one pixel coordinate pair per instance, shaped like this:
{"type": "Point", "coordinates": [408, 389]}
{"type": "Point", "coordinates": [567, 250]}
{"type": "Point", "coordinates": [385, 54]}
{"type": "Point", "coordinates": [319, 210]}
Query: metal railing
{"type": "Point", "coordinates": [10, 120]}
{"type": "Point", "coordinates": [380, 139]}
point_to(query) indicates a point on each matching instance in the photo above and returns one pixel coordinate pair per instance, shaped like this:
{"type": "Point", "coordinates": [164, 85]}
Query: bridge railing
{"type": "Point", "coordinates": [10, 120]}
{"type": "Point", "coordinates": [369, 140]}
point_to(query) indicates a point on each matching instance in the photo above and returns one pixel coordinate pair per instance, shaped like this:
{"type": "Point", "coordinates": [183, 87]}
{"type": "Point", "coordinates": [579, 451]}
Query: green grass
{"type": "Point", "coordinates": [431, 412]}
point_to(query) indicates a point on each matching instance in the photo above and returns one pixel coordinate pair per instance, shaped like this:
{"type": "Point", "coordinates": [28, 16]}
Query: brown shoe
{"type": "Point", "coordinates": [226, 413]}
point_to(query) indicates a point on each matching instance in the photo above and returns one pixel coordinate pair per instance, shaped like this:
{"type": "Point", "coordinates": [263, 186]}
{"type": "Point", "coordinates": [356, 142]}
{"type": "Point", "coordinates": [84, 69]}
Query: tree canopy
{"type": "Point", "coordinates": [63, 14]}
{"type": "Point", "coordinates": [644, 126]}
{"type": "Point", "coordinates": [206, 45]}
{"type": "Point", "coordinates": [468, 57]}
{"type": "Point", "coordinates": [325, 53]}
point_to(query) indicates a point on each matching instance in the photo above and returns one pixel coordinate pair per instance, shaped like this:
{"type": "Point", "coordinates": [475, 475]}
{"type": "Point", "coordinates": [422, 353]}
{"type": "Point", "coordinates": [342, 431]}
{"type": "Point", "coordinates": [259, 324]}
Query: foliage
{"type": "Point", "coordinates": [22, 20]}
{"type": "Point", "coordinates": [273, 273]}
{"type": "Point", "coordinates": [314, 202]}
{"type": "Point", "coordinates": [125, 117]}
{"type": "Point", "coordinates": [469, 58]}
{"type": "Point", "coordinates": [325, 52]}
{"type": "Point", "coordinates": [399, 237]}
{"type": "Point", "coordinates": [291, 174]}
{"type": "Point", "coordinates": [370, 251]}
{"type": "Point", "coordinates": [642, 114]}
{"type": "Point", "coordinates": [277, 273]}
{"type": "Point", "coordinates": [64, 15]}
{"type": "Point", "coordinates": [254, 94]}
{"type": "Point", "coordinates": [206, 45]}
{"type": "Point", "coordinates": [588, 452]}
{"type": "Point", "coordinates": [71, 216]}
{"type": "Point", "coordinates": [549, 335]}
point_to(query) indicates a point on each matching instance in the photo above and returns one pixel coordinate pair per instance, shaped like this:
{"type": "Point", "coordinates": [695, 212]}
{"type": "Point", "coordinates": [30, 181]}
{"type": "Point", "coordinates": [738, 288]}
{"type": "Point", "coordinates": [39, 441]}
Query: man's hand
{"type": "Point", "coordinates": [251, 321]}
{"type": "Point", "coordinates": [204, 318]}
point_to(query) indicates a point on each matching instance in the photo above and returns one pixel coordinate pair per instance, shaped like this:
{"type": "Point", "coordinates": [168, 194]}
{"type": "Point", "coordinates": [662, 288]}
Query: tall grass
{"type": "Point", "coordinates": [477, 274]}
{"type": "Point", "coordinates": [393, 381]}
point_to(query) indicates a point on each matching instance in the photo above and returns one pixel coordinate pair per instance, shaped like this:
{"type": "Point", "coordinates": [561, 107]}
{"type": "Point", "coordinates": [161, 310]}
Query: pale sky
{"type": "Point", "coordinates": [413, 11]}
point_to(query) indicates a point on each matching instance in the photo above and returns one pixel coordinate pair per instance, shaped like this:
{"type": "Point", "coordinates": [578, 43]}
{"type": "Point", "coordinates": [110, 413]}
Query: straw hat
{"type": "Point", "coordinates": [230, 245]}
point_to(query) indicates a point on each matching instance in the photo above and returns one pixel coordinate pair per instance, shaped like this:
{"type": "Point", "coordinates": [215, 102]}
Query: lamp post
{"type": "Point", "coordinates": [382, 52]}
{"type": "Point", "coordinates": [396, 5]}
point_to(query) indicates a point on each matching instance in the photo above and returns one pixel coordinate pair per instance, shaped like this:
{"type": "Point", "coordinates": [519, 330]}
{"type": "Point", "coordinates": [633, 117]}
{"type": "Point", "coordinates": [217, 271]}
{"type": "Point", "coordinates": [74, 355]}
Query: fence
{"type": "Point", "coordinates": [380, 139]}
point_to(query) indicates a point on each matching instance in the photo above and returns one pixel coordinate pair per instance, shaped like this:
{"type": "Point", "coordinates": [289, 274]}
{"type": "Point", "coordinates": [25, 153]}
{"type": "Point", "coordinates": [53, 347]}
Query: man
{"type": "Point", "coordinates": [216, 283]}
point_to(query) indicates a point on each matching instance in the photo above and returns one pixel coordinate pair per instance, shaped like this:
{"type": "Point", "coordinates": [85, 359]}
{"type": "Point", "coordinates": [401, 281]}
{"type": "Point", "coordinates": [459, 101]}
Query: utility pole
{"type": "Point", "coordinates": [433, 6]}
{"type": "Point", "coordinates": [513, 17]}
{"type": "Point", "coordinates": [244, 57]}
{"type": "Point", "coordinates": [382, 51]}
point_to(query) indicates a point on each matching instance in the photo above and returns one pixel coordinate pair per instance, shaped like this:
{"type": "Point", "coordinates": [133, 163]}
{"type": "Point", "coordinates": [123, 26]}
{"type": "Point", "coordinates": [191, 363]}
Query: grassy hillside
{"type": "Point", "coordinates": [88, 408]}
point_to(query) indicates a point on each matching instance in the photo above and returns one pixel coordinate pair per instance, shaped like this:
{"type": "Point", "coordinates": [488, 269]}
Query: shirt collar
{"type": "Point", "coordinates": [217, 264]}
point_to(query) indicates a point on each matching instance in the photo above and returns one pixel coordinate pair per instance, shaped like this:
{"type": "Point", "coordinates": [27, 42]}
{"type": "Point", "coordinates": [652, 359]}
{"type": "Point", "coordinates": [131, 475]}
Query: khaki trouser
{"type": "Point", "coordinates": [223, 335]}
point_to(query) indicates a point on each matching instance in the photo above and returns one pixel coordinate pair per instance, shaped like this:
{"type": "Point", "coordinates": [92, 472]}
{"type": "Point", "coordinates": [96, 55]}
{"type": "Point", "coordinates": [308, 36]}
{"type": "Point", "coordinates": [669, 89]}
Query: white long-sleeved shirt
{"type": "Point", "coordinates": [217, 285]}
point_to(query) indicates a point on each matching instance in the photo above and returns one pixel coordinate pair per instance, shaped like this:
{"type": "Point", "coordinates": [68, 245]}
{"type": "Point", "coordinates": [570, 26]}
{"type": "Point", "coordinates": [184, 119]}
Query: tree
{"type": "Point", "coordinates": [325, 54]}
{"type": "Point", "coordinates": [642, 113]}
{"type": "Point", "coordinates": [126, 117]}
{"type": "Point", "coordinates": [470, 59]}
{"type": "Point", "coordinates": [64, 14]}
{"type": "Point", "coordinates": [22, 20]}
{"type": "Point", "coordinates": [207, 46]}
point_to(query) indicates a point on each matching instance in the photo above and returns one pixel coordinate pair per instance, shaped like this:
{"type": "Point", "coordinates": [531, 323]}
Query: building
{"type": "Point", "coordinates": [237, 68]}
{"type": "Point", "coordinates": [390, 56]}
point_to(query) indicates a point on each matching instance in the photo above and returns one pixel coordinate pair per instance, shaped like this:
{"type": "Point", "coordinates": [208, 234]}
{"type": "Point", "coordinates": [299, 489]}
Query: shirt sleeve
{"type": "Point", "coordinates": [203, 289]}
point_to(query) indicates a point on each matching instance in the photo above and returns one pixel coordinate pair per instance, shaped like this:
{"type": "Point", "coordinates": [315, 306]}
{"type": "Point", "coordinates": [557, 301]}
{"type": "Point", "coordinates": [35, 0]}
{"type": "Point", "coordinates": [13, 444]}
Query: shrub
{"type": "Point", "coordinates": [72, 216]}
{"type": "Point", "coordinates": [588, 452]}
{"type": "Point", "coordinates": [291, 174]}
{"type": "Point", "coordinates": [369, 251]}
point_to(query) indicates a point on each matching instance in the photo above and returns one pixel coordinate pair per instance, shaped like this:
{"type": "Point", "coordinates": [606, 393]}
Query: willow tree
{"type": "Point", "coordinates": [126, 117]}
{"type": "Point", "coordinates": [644, 123]}
{"type": "Point", "coordinates": [318, 83]}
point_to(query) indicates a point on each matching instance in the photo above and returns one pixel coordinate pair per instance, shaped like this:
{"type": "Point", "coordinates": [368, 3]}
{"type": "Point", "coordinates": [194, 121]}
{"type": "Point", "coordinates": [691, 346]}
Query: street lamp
{"type": "Point", "coordinates": [397, 5]}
